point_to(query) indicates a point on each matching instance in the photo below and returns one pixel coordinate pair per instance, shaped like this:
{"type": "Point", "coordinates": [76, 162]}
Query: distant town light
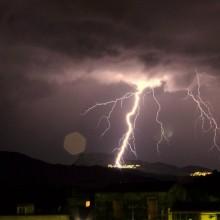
{"type": "Point", "coordinates": [87, 204]}
{"type": "Point", "coordinates": [201, 173]}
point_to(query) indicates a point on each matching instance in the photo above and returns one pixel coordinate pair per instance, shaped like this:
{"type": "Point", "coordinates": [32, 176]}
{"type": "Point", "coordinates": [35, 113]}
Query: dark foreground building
{"type": "Point", "coordinates": [33, 190]}
{"type": "Point", "coordinates": [137, 201]}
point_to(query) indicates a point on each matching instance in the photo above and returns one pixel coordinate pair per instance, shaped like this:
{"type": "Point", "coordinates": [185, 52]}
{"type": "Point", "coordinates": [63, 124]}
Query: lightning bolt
{"type": "Point", "coordinates": [113, 104]}
{"type": "Point", "coordinates": [127, 141]}
{"type": "Point", "coordinates": [130, 131]}
{"type": "Point", "coordinates": [205, 113]}
{"type": "Point", "coordinates": [159, 122]}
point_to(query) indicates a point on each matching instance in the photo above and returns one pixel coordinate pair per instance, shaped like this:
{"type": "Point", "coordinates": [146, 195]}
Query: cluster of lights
{"type": "Point", "coordinates": [201, 173]}
{"type": "Point", "coordinates": [125, 166]}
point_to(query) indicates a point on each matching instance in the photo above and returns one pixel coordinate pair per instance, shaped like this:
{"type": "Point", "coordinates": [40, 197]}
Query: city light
{"type": "Point", "coordinates": [201, 173]}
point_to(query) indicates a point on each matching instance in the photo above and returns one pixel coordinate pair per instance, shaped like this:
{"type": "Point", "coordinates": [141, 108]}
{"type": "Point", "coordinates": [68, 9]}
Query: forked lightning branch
{"type": "Point", "coordinates": [127, 141]}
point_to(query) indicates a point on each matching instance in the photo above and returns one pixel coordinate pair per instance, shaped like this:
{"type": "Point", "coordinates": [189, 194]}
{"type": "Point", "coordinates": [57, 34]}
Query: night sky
{"type": "Point", "coordinates": [57, 58]}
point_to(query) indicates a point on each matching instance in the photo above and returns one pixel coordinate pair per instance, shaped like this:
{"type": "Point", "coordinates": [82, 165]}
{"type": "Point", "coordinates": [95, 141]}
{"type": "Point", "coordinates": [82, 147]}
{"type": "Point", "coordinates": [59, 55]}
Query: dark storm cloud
{"type": "Point", "coordinates": [165, 34]}
{"type": "Point", "coordinates": [84, 28]}
{"type": "Point", "coordinates": [51, 49]}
